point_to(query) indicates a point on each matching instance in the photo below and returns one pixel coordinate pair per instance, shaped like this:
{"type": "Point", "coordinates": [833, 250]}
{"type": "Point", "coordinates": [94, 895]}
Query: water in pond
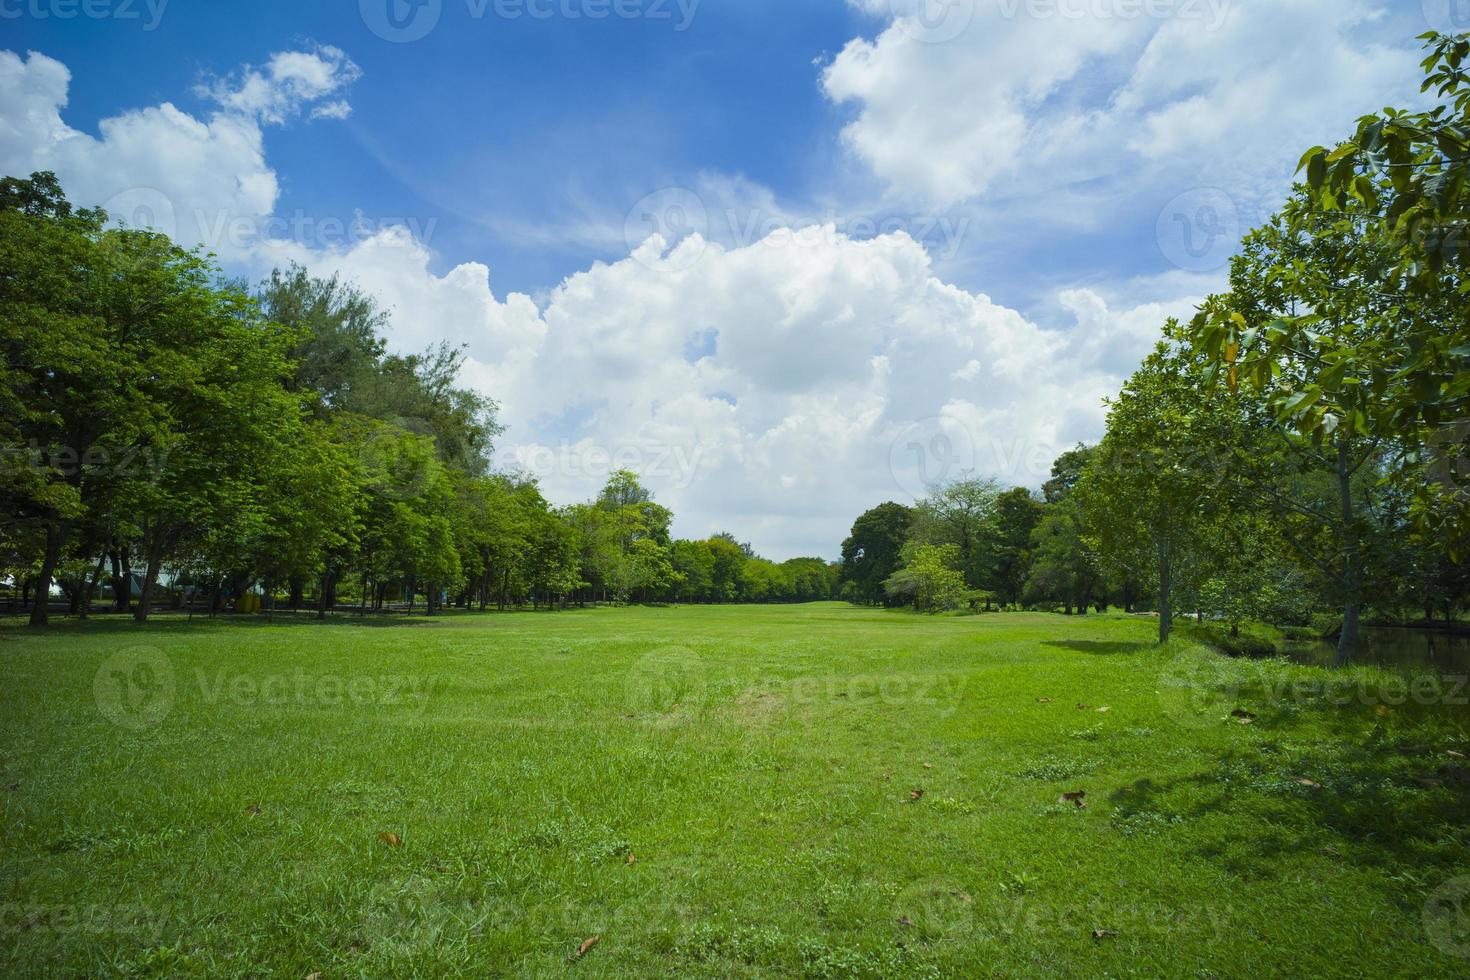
{"type": "Point", "coordinates": [1414, 650]}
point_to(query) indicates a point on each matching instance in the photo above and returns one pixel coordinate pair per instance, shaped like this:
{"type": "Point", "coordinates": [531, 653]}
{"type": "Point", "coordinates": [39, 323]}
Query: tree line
{"type": "Point", "coordinates": [177, 438]}
{"type": "Point", "coordinates": [1297, 450]}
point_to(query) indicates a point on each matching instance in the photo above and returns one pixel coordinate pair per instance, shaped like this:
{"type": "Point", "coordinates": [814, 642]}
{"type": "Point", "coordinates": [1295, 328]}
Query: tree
{"type": "Point", "coordinates": [960, 513]}
{"type": "Point", "coordinates": [1062, 568]}
{"type": "Point", "coordinates": [694, 567]}
{"type": "Point", "coordinates": [930, 578]}
{"type": "Point", "coordinates": [1347, 316]}
{"type": "Point", "coordinates": [1316, 327]}
{"type": "Point", "coordinates": [1150, 487]}
{"type": "Point", "coordinates": [1008, 555]}
{"type": "Point", "coordinates": [873, 552]}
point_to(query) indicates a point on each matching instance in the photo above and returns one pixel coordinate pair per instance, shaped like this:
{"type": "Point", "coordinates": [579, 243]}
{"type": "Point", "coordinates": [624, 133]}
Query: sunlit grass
{"type": "Point", "coordinates": [211, 798]}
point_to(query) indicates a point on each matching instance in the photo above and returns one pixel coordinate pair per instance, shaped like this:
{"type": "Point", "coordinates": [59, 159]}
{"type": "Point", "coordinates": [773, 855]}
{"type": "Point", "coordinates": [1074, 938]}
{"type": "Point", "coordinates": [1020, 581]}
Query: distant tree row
{"type": "Point", "coordinates": [172, 438]}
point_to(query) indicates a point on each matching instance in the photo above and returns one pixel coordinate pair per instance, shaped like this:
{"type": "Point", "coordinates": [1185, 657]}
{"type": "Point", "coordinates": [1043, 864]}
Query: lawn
{"type": "Point", "coordinates": [812, 790]}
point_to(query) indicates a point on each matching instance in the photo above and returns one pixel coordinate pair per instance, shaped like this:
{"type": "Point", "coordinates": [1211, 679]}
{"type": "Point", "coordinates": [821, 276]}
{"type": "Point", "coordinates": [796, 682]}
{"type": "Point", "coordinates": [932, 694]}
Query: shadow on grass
{"type": "Point", "coordinates": [1100, 648]}
{"type": "Point", "coordinates": [1341, 781]}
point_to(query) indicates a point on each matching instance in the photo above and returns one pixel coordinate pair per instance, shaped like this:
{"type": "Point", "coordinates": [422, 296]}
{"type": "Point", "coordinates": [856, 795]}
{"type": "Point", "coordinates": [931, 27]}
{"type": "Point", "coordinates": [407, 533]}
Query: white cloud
{"type": "Point", "coordinates": [289, 83]}
{"type": "Point", "coordinates": [775, 388]}
{"type": "Point", "coordinates": [199, 180]}
{"type": "Point", "coordinates": [1034, 97]}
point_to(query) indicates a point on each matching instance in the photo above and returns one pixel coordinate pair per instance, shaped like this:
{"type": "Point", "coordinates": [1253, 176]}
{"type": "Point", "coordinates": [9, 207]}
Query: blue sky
{"type": "Point", "coordinates": [488, 122]}
{"type": "Point", "coordinates": [886, 224]}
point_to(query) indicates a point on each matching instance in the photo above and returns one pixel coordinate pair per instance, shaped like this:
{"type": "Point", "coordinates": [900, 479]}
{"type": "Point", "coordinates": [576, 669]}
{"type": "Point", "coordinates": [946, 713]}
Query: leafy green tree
{"type": "Point", "coordinates": [1347, 317]}
{"type": "Point", "coordinates": [1062, 569]}
{"type": "Point", "coordinates": [1151, 489]}
{"type": "Point", "coordinates": [63, 383]}
{"type": "Point", "coordinates": [339, 344]}
{"type": "Point", "coordinates": [694, 567]}
{"type": "Point", "coordinates": [1062, 566]}
{"type": "Point", "coordinates": [961, 513]}
{"type": "Point", "coordinates": [929, 578]}
{"type": "Point", "coordinates": [1315, 327]}
{"type": "Point", "coordinates": [873, 551]}
{"type": "Point", "coordinates": [1007, 558]}
{"type": "Point", "coordinates": [728, 560]}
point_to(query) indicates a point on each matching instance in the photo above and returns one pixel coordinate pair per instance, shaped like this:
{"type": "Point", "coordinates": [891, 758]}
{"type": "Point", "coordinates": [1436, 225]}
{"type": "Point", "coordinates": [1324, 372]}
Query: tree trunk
{"type": "Point", "coordinates": [322, 600]}
{"type": "Point", "coordinates": [122, 581]}
{"type": "Point", "coordinates": [55, 538]}
{"type": "Point", "coordinates": [1352, 579]}
{"type": "Point", "coordinates": [150, 580]}
{"type": "Point", "coordinates": [298, 589]}
{"type": "Point", "coordinates": [91, 588]}
{"type": "Point", "coordinates": [1166, 590]}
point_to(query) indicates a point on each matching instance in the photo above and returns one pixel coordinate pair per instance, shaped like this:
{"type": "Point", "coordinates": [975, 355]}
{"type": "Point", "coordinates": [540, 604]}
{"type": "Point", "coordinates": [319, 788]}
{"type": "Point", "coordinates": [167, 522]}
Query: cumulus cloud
{"type": "Point", "coordinates": [200, 180]}
{"type": "Point", "coordinates": [290, 82]}
{"type": "Point", "coordinates": [1067, 92]}
{"type": "Point", "coordinates": [775, 387]}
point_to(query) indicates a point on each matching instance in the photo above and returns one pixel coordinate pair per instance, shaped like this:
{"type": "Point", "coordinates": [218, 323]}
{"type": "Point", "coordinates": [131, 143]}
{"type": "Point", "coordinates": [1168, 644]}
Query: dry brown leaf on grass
{"type": "Point", "coordinates": [1078, 799]}
{"type": "Point", "coordinates": [1045, 700]}
{"type": "Point", "coordinates": [631, 859]}
{"type": "Point", "coordinates": [390, 838]}
{"type": "Point", "coordinates": [915, 795]}
{"type": "Point", "coordinates": [1242, 716]}
{"type": "Point", "coordinates": [928, 765]}
{"type": "Point", "coordinates": [253, 809]}
{"type": "Point", "coordinates": [587, 944]}
{"type": "Point", "coordinates": [314, 976]}
{"type": "Point", "coordinates": [1449, 752]}
{"type": "Point", "coordinates": [1103, 934]}
{"type": "Point", "coordinates": [1104, 710]}
{"type": "Point", "coordinates": [904, 920]}
{"type": "Point", "coordinates": [1084, 707]}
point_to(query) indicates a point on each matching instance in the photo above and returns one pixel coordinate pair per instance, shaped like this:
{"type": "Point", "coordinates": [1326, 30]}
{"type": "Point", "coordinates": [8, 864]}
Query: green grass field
{"type": "Point", "coordinates": [462, 795]}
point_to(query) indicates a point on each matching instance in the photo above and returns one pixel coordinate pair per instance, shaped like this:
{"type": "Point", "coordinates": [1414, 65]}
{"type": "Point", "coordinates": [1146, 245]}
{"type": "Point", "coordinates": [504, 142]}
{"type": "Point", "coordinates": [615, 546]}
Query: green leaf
{"type": "Point", "coordinates": [1300, 402]}
{"type": "Point", "coordinates": [1317, 170]}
